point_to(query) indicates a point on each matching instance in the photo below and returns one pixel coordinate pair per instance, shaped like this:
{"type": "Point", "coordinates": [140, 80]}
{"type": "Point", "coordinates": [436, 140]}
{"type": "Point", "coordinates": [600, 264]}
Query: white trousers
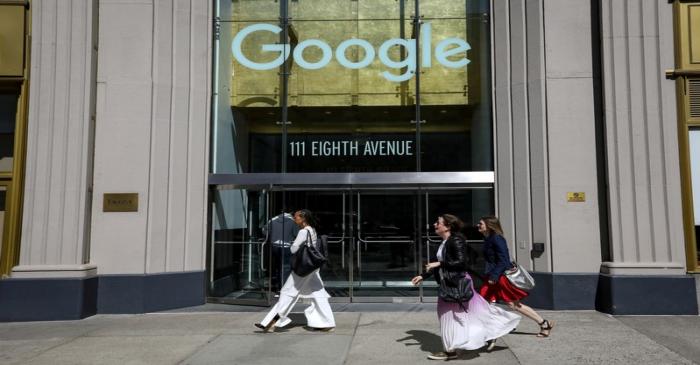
{"type": "Point", "coordinates": [318, 313]}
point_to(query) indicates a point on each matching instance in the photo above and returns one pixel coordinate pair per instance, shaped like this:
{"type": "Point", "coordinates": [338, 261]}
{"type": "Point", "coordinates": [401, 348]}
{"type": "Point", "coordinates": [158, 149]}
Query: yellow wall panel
{"type": "Point", "coordinates": [11, 40]}
{"type": "Point", "coordinates": [694, 33]}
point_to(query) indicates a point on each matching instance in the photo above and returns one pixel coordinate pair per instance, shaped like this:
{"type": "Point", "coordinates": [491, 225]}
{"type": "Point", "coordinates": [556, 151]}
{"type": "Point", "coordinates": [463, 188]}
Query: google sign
{"type": "Point", "coordinates": [444, 49]}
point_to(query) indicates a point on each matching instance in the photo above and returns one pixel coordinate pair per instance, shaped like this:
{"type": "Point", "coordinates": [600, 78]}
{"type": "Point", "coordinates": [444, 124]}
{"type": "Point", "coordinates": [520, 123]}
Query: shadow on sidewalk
{"type": "Point", "coordinates": [430, 342]}
{"type": "Point", "coordinates": [523, 333]}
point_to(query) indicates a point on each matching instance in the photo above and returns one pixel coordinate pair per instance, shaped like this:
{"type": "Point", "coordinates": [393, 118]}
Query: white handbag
{"type": "Point", "coordinates": [519, 277]}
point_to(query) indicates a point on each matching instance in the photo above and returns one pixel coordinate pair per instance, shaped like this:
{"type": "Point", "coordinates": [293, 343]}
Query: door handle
{"type": "Point", "coordinates": [262, 256]}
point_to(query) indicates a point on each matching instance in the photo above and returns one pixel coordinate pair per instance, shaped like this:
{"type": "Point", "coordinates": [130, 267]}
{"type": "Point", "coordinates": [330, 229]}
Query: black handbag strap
{"type": "Point", "coordinates": [309, 240]}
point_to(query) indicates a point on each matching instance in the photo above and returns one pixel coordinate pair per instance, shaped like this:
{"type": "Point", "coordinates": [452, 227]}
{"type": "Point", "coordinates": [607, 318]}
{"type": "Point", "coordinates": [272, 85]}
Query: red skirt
{"type": "Point", "coordinates": [502, 290]}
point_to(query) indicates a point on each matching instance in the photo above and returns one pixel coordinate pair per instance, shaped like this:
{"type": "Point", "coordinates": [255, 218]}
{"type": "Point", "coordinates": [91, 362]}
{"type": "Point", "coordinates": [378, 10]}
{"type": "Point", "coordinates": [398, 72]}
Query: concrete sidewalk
{"type": "Point", "coordinates": [373, 334]}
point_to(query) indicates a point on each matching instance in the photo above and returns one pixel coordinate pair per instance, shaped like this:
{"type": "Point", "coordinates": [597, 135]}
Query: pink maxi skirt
{"type": "Point", "coordinates": [470, 329]}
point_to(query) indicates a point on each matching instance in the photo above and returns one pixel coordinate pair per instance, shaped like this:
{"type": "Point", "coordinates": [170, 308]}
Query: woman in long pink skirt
{"type": "Point", "coordinates": [468, 325]}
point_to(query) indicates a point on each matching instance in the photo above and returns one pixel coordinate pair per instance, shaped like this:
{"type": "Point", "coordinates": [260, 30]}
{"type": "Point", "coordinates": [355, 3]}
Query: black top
{"type": "Point", "coordinates": [454, 257]}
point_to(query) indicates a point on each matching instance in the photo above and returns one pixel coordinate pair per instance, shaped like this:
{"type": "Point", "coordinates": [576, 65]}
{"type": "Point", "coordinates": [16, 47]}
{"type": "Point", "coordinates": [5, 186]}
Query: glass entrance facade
{"type": "Point", "coordinates": [375, 114]}
{"type": "Point", "coordinates": [378, 239]}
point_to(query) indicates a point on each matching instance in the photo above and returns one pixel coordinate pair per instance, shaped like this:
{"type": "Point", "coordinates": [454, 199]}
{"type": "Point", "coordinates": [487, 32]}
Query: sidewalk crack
{"type": "Point", "coordinates": [352, 339]}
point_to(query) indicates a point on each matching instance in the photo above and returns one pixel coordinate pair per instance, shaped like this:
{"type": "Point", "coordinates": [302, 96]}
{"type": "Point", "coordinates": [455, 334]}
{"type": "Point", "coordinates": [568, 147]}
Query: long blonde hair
{"type": "Point", "coordinates": [493, 224]}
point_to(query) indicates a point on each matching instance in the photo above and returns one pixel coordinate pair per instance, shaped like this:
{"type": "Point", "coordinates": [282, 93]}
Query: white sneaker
{"type": "Point", "coordinates": [490, 344]}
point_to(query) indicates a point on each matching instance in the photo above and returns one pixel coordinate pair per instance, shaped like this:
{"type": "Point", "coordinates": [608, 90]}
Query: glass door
{"type": "Point", "coordinates": [240, 251]}
{"type": "Point", "coordinates": [333, 211]}
{"type": "Point", "coordinates": [385, 257]}
{"type": "Point", "coordinates": [467, 204]}
{"type": "Point", "coordinates": [378, 239]}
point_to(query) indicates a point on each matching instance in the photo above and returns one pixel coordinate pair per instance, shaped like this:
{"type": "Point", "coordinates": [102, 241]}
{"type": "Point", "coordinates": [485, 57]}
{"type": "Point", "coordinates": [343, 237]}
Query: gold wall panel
{"type": "Point", "coordinates": [381, 9]}
{"type": "Point", "coordinates": [255, 11]}
{"type": "Point", "coordinates": [688, 36]}
{"type": "Point", "coordinates": [11, 40]}
{"type": "Point", "coordinates": [687, 49]}
{"type": "Point", "coordinates": [254, 87]}
{"type": "Point", "coordinates": [442, 85]}
{"type": "Point", "coordinates": [437, 9]}
{"type": "Point", "coordinates": [694, 34]}
{"type": "Point", "coordinates": [329, 11]}
{"type": "Point", "coordinates": [333, 84]}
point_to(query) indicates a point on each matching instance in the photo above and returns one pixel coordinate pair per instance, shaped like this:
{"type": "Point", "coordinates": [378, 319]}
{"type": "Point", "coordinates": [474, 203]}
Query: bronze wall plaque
{"type": "Point", "coordinates": [120, 202]}
{"type": "Point", "coordinates": [576, 197]}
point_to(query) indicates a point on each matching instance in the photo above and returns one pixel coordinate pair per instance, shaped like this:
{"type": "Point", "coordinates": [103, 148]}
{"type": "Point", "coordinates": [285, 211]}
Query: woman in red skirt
{"type": "Point", "coordinates": [497, 286]}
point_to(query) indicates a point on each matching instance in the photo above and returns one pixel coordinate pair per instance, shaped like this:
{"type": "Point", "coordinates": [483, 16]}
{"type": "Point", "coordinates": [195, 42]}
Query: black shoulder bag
{"type": "Point", "coordinates": [308, 258]}
{"type": "Point", "coordinates": [455, 287]}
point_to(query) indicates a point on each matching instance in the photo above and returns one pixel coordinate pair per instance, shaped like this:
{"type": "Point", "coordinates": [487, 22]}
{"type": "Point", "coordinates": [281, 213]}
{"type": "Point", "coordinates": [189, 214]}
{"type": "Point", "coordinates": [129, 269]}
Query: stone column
{"type": "Point", "coordinates": [153, 100]}
{"type": "Point", "coordinates": [57, 197]}
{"type": "Point", "coordinates": [641, 139]}
{"type": "Point", "coordinates": [644, 200]}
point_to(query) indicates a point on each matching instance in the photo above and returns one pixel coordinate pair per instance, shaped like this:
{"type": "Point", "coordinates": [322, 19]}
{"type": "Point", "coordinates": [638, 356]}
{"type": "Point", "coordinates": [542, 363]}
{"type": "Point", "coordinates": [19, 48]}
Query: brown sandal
{"type": "Point", "coordinates": [545, 328]}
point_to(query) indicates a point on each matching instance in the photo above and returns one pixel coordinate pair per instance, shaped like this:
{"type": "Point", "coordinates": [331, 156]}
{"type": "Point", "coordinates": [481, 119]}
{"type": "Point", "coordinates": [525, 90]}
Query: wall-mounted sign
{"type": "Point", "coordinates": [349, 147]}
{"type": "Point", "coordinates": [446, 48]}
{"type": "Point", "coordinates": [349, 152]}
{"type": "Point", "coordinates": [120, 202]}
{"type": "Point", "coordinates": [576, 197]}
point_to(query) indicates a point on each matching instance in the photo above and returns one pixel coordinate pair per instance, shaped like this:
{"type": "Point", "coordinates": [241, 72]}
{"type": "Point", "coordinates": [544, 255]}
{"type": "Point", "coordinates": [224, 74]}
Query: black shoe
{"type": "Point", "coordinates": [270, 326]}
{"type": "Point", "coordinates": [324, 329]}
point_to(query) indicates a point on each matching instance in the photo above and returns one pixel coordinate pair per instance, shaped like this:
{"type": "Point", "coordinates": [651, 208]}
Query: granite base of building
{"type": "Point", "coordinates": [55, 299]}
{"type": "Point", "coordinates": [644, 295]}
{"type": "Point", "coordinates": [563, 291]}
{"type": "Point", "coordinates": [47, 299]}
{"type": "Point", "coordinates": [77, 298]}
{"type": "Point", "coordinates": [615, 294]}
{"type": "Point", "coordinates": [150, 293]}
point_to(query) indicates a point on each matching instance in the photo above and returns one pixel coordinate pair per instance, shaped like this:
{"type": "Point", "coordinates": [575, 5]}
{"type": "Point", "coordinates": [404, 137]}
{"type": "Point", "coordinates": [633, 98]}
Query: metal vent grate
{"type": "Point", "coordinates": [694, 97]}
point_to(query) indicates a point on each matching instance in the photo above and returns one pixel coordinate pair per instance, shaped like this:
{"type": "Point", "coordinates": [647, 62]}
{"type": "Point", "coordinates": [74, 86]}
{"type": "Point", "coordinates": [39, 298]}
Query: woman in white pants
{"type": "Point", "coordinates": [319, 315]}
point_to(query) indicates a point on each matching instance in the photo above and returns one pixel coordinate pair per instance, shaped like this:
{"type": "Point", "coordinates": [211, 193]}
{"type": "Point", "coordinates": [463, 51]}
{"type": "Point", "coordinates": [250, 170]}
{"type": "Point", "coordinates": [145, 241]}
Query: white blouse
{"type": "Point", "coordinates": [309, 286]}
{"type": "Point", "coordinates": [303, 238]}
{"type": "Point", "coordinates": [439, 251]}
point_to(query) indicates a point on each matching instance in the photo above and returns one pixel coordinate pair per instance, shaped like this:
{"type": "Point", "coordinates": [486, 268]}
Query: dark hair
{"type": "Point", "coordinates": [493, 224]}
{"type": "Point", "coordinates": [452, 222]}
{"type": "Point", "coordinates": [308, 217]}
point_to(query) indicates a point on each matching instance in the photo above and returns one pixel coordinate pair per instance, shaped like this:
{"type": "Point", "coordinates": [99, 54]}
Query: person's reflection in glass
{"type": "Point", "coordinates": [281, 231]}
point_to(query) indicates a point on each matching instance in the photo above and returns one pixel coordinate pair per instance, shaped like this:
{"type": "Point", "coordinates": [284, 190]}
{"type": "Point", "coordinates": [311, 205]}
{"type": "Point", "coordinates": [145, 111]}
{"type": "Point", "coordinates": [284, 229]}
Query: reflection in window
{"type": "Point", "coordinates": [8, 114]}
{"type": "Point", "coordinates": [3, 194]}
{"type": "Point", "coordinates": [694, 138]}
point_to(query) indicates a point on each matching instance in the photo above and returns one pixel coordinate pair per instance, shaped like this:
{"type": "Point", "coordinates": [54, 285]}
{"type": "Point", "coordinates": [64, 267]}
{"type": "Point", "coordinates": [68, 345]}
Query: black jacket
{"type": "Point", "coordinates": [454, 257]}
